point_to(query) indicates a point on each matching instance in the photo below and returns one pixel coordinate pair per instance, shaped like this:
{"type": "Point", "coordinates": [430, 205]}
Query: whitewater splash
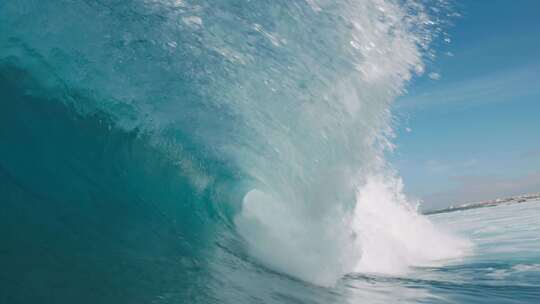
{"type": "Point", "coordinates": [288, 101]}
{"type": "Point", "coordinates": [382, 235]}
{"type": "Point", "coordinates": [326, 204]}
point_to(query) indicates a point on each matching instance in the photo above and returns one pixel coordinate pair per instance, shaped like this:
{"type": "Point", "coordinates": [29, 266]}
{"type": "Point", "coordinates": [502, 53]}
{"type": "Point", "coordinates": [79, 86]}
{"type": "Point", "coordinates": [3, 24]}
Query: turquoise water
{"type": "Point", "coordinates": [167, 151]}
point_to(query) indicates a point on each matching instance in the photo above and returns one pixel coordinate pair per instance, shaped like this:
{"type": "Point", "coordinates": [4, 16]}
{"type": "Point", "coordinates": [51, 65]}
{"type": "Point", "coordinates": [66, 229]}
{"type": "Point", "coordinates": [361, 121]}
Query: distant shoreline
{"type": "Point", "coordinates": [491, 203]}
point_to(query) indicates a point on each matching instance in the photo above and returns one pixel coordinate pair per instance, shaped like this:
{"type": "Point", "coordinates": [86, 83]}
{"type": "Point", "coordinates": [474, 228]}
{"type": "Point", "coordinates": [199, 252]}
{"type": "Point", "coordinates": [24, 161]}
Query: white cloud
{"type": "Point", "coordinates": [500, 87]}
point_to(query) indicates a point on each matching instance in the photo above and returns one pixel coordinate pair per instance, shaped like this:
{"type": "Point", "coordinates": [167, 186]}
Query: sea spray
{"type": "Point", "coordinates": [324, 204]}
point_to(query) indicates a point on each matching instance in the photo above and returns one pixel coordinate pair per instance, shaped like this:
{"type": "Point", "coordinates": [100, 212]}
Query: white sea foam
{"type": "Point", "coordinates": [394, 236]}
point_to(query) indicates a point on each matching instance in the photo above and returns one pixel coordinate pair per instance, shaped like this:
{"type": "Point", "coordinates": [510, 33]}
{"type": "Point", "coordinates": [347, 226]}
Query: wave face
{"type": "Point", "coordinates": [158, 150]}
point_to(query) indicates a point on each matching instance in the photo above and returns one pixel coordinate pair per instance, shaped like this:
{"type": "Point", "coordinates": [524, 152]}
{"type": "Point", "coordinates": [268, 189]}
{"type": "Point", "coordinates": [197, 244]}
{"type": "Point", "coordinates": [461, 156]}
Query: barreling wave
{"type": "Point", "coordinates": [176, 139]}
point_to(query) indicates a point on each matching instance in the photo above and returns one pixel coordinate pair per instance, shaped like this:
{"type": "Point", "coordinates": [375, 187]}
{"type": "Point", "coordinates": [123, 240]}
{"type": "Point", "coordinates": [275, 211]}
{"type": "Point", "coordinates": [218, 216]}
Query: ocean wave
{"type": "Point", "coordinates": [177, 140]}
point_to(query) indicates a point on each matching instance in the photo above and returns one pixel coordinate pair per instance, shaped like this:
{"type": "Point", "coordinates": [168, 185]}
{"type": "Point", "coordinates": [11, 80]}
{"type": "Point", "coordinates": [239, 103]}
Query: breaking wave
{"type": "Point", "coordinates": [177, 141]}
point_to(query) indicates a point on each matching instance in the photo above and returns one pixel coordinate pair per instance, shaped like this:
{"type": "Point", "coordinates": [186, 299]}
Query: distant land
{"type": "Point", "coordinates": [491, 203]}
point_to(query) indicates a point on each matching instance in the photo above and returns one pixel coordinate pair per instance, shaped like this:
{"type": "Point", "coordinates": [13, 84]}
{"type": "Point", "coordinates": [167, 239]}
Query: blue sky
{"type": "Point", "coordinates": [469, 129]}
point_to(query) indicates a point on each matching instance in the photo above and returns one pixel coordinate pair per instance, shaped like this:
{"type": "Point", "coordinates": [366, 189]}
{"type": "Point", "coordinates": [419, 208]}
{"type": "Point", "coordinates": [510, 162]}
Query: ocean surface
{"type": "Point", "coordinates": [176, 151]}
